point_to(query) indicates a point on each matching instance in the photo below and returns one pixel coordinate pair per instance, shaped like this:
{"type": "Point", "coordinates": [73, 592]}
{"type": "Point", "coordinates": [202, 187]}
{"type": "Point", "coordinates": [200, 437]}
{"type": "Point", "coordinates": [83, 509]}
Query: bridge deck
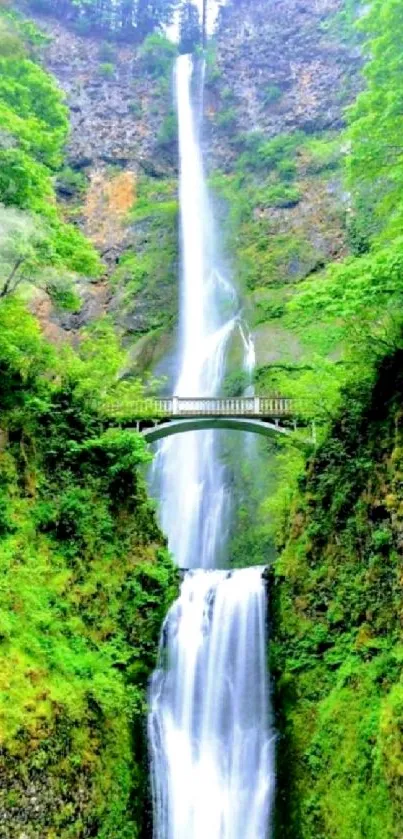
{"type": "Point", "coordinates": [261, 407]}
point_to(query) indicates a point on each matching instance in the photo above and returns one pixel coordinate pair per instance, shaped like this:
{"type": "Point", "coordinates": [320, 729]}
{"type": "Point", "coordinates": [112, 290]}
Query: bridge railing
{"type": "Point", "coordinates": [274, 406]}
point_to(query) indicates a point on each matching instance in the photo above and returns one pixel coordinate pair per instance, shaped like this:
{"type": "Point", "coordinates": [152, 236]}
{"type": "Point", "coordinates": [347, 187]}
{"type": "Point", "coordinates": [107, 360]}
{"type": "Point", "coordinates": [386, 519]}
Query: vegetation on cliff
{"type": "Point", "coordinates": [86, 579]}
{"type": "Point", "coordinates": [314, 228]}
{"type": "Point", "coordinates": [86, 582]}
{"type": "Point", "coordinates": [37, 246]}
{"type": "Point", "coordinates": [336, 621]}
{"type": "Point", "coordinates": [337, 651]}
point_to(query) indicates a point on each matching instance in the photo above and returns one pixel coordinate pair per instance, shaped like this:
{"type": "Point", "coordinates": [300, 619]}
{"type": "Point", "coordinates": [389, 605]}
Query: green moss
{"type": "Point", "coordinates": [324, 154]}
{"type": "Point", "coordinates": [86, 582]}
{"type": "Point", "coordinates": [272, 93]}
{"type": "Point", "coordinates": [107, 69]}
{"type": "Point", "coordinates": [336, 650]}
{"type": "Point", "coordinates": [147, 275]}
{"type": "Point", "coordinates": [270, 260]}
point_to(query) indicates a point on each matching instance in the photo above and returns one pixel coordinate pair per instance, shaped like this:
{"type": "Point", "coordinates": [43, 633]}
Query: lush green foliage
{"type": "Point", "coordinates": [85, 585]}
{"type": "Point", "coordinates": [34, 132]}
{"type": "Point", "coordinates": [376, 121]}
{"type": "Point", "coordinates": [146, 275]}
{"type": "Point", "coordinates": [336, 651]}
{"type": "Point", "coordinates": [364, 293]}
{"type": "Point", "coordinates": [85, 576]}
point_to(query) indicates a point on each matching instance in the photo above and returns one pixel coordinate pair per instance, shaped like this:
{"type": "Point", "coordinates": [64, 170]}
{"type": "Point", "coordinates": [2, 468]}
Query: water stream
{"type": "Point", "coordinates": [211, 745]}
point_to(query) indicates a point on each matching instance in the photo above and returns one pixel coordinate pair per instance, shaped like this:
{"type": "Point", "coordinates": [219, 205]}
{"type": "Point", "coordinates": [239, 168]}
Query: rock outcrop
{"type": "Point", "coordinates": [281, 66]}
{"type": "Point", "coordinates": [116, 110]}
{"type": "Point", "coordinates": [277, 67]}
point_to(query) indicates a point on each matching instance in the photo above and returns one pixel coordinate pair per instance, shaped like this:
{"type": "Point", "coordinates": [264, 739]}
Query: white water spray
{"type": "Point", "coordinates": [212, 750]}
{"type": "Point", "coordinates": [209, 728]}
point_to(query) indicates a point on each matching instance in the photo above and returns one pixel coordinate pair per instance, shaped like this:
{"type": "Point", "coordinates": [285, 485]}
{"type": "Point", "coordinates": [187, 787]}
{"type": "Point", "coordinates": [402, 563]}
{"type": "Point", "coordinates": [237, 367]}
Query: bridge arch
{"type": "Point", "coordinates": [173, 427]}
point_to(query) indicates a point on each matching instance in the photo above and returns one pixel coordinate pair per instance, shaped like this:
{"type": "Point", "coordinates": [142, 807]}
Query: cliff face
{"type": "Point", "coordinates": [274, 69]}
{"type": "Point", "coordinates": [116, 112]}
{"type": "Point", "coordinates": [278, 81]}
{"type": "Point", "coordinates": [336, 649]}
{"type": "Point", "coordinates": [122, 144]}
{"type": "Point", "coordinates": [283, 66]}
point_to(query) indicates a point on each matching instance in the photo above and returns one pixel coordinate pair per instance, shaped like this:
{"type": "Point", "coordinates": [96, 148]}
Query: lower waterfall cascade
{"type": "Point", "coordinates": [209, 727]}
{"type": "Point", "coordinates": [210, 733]}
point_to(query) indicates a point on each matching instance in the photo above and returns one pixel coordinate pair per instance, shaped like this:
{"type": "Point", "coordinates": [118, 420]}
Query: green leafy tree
{"type": "Point", "coordinates": [33, 134]}
{"type": "Point", "coordinates": [376, 118]}
{"type": "Point", "coordinates": [26, 258]}
{"type": "Point", "coordinates": [157, 54]}
{"type": "Point", "coordinates": [152, 14]}
{"type": "Point", "coordinates": [31, 109]}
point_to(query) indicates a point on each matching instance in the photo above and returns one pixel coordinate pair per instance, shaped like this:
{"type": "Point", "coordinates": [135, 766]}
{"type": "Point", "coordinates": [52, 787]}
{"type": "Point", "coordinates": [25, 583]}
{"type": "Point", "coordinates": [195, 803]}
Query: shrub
{"type": "Point", "coordinates": [262, 154]}
{"type": "Point", "coordinates": [169, 131]}
{"type": "Point", "coordinates": [107, 70]}
{"type": "Point", "coordinates": [324, 154]}
{"type": "Point", "coordinates": [227, 120]}
{"type": "Point", "coordinates": [272, 93]}
{"type": "Point", "coordinates": [136, 109]}
{"type": "Point", "coordinates": [71, 181]}
{"type": "Point", "coordinates": [287, 169]}
{"type": "Point", "coordinates": [279, 195]}
{"type": "Point", "coordinates": [157, 54]}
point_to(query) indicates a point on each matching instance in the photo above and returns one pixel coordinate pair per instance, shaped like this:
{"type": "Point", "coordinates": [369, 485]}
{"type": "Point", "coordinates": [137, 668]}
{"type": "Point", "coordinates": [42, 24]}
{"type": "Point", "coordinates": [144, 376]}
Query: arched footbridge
{"type": "Point", "coordinates": [266, 415]}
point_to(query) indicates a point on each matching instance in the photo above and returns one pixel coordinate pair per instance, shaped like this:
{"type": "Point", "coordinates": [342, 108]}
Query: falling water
{"type": "Point", "coordinates": [192, 490]}
{"type": "Point", "coordinates": [209, 728]}
{"type": "Point", "coordinates": [208, 722]}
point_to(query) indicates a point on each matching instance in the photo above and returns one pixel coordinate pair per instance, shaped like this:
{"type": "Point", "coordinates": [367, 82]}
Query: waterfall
{"type": "Point", "coordinates": [210, 737]}
{"type": "Point", "coordinates": [209, 714]}
{"type": "Point", "coordinates": [193, 501]}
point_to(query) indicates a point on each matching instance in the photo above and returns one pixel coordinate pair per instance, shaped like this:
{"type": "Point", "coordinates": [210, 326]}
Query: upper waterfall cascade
{"type": "Point", "coordinates": [209, 723]}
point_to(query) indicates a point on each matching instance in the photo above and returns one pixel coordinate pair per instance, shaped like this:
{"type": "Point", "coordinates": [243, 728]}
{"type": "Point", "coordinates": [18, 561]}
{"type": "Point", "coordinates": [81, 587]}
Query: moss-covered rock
{"type": "Point", "coordinates": [337, 642]}
{"type": "Point", "coordinates": [86, 581]}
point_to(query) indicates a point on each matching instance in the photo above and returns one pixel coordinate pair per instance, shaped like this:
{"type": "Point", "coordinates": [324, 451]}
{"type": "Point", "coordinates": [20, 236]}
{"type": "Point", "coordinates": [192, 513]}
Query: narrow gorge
{"type": "Point", "coordinates": [200, 208]}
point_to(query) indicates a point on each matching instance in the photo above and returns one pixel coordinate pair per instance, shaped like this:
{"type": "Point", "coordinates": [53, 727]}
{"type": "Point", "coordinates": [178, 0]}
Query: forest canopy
{"type": "Point", "coordinates": [128, 19]}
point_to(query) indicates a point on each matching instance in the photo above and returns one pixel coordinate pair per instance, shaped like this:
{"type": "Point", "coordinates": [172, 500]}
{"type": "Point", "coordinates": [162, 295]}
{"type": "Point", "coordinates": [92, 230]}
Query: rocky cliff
{"type": "Point", "coordinates": [275, 69]}
{"type": "Point", "coordinates": [122, 144]}
{"type": "Point", "coordinates": [282, 66]}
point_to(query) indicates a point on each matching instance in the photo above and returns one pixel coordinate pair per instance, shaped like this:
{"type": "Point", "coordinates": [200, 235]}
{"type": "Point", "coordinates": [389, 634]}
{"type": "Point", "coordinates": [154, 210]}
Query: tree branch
{"type": "Point", "coordinates": [9, 286]}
